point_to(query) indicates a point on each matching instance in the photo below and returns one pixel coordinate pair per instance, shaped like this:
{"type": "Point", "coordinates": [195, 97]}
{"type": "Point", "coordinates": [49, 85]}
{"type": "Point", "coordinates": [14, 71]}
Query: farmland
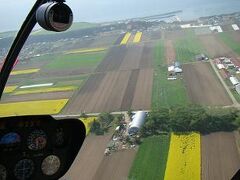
{"type": "Point", "coordinates": [88, 123]}
{"type": "Point", "coordinates": [220, 158]}
{"type": "Point", "coordinates": [125, 38]}
{"type": "Point", "coordinates": [203, 87]}
{"type": "Point", "coordinates": [184, 157]}
{"type": "Point", "coordinates": [187, 47]}
{"type": "Point", "coordinates": [9, 89]}
{"type": "Point", "coordinates": [75, 60]}
{"type": "Point", "coordinates": [27, 71]}
{"type": "Point", "coordinates": [137, 37]}
{"type": "Point", "coordinates": [153, 152]}
{"type": "Point", "coordinates": [45, 90]}
{"type": "Point", "coordinates": [165, 93]}
{"type": "Point", "coordinates": [32, 107]}
{"type": "Point", "coordinates": [230, 42]}
{"type": "Point", "coordinates": [118, 82]}
{"type": "Point", "coordinates": [89, 158]}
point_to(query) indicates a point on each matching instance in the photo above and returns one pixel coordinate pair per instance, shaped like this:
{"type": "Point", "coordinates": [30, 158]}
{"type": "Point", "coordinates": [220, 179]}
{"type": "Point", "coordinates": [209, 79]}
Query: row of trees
{"type": "Point", "coordinates": [102, 123]}
{"type": "Point", "coordinates": [191, 118]}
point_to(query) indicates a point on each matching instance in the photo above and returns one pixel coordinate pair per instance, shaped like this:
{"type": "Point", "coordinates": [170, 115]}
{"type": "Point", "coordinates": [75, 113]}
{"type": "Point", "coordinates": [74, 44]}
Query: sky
{"type": "Point", "coordinates": [12, 13]}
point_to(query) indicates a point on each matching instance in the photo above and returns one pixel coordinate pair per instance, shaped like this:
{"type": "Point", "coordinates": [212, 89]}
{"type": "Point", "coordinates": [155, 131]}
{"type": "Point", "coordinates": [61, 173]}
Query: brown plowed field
{"type": "Point", "coordinates": [215, 47]}
{"type": "Point", "coordinates": [104, 40]}
{"type": "Point", "coordinates": [227, 28]}
{"type": "Point", "coordinates": [146, 60]}
{"type": "Point", "coordinates": [116, 166]}
{"type": "Point", "coordinates": [169, 52]}
{"type": "Point", "coordinates": [203, 87]}
{"type": "Point", "coordinates": [118, 83]}
{"type": "Point", "coordinates": [113, 59]}
{"type": "Point", "coordinates": [173, 35]}
{"type": "Point", "coordinates": [129, 92]}
{"type": "Point", "coordinates": [132, 58]}
{"type": "Point", "coordinates": [220, 158]}
{"type": "Point", "coordinates": [156, 35]}
{"type": "Point", "coordinates": [89, 158]}
{"type": "Point", "coordinates": [143, 92]}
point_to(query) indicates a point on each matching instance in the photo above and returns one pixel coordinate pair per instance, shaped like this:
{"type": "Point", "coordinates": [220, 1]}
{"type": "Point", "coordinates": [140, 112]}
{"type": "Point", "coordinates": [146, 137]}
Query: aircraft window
{"type": "Point", "coordinates": [156, 84]}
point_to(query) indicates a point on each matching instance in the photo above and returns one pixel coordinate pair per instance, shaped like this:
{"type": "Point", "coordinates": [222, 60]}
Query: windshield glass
{"type": "Point", "coordinates": [156, 84]}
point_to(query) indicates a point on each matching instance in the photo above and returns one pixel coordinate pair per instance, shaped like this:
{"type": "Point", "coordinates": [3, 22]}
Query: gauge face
{"type": "Point", "coordinates": [37, 140]}
{"type": "Point", "coordinates": [3, 173]}
{"type": "Point", "coordinates": [10, 139]}
{"type": "Point", "coordinates": [50, 165]}
{"type": "Point", "coordinates": [24, 169]}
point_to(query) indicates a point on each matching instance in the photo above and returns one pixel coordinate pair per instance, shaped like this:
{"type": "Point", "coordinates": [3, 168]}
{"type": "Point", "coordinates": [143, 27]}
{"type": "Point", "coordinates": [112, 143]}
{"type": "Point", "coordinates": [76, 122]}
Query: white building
{"type": "Point", "coordinates": [235, 27]}
{"type": "Point", "coordinates": [234, 80]}
{"type": "Point", "coordinates": [138, 120]}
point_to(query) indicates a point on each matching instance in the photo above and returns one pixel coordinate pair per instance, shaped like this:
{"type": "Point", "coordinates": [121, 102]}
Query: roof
{"type": "Point", "coordinates": [137, 122]}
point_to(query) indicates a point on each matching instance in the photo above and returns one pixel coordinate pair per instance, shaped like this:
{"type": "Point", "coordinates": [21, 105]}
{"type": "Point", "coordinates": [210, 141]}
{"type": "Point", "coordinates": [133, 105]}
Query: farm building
{"type": "Point", "coordinates": [201, 57]}
{"type": "Point", "coordinates": [176, 68]}
{"type": "Point", "coordinates": [138, 120]}
{"type": "Point", "coordinates": [220, 66]}
{"type": "Point", "coordinates": [235, 27]}
{"type": "Point", "coordinates": [234, 80]}
{"type": "Point", "coordinates": [216, 29]}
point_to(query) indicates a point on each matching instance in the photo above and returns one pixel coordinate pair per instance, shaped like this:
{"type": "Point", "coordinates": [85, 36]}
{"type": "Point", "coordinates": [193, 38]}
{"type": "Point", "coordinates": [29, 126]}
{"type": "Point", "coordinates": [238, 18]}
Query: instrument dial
{"type": "Point", "coordinates": [37, 140]}
{"type": "Point", "coordinates": [3, 172]}
{"type": "Point", "coordinates": [10, 139]}
{"type": "Point", "coordinates": [50, 165]}
{"type": "Point", "coordinates": [24, 169]}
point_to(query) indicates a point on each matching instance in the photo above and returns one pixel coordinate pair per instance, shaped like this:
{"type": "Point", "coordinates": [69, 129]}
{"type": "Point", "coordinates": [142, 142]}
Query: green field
{"type": "Point", "coordinates": [75, 61]}
{"type": "Point", "coordinates": [229, 41]}
{"type": "Point", "coordinates": [188, 47]}
{"type": "Point", "coordinates": [150, 161]}
{"type": "Point", "coordinates": [166, 93]}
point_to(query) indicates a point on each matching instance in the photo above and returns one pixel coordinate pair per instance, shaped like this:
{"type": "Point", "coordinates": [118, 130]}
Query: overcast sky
{"type": "Point", "coordinates": [13, 12]}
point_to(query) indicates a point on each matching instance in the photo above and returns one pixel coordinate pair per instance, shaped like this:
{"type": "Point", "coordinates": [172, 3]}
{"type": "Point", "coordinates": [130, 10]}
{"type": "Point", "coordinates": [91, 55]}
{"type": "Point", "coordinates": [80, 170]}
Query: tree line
{"type": "Point", "coordinates": [191, 118]}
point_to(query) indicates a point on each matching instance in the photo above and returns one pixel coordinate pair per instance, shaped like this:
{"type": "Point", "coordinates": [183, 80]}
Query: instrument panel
{"type": "Point", "coordinates": [38, 147]}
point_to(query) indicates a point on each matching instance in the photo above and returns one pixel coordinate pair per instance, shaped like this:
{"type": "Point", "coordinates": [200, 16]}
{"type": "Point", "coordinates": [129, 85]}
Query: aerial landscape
{"type": "Point", "coordinates": [178, 80]}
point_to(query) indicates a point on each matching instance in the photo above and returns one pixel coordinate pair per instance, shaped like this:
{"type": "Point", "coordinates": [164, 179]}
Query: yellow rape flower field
{"type": "Point", "coordinates": [9, 89]}
{"type": "Point", "coordinates": [184, 159]}
{"type": "Point", "coordinates": [46, 90]}
{"type": "Point", "coordinates": [28, 71]}
{"type": "Point", "coordinates": [32, 107]}
{"type": "Point", "coordinates": [137, 37]}
{"type": "Point", "coordinates": [88, 123]}
{"type": "Point", "coordinates": [126, 38]}
{"type": "Point", "coordinates": [86, 50]}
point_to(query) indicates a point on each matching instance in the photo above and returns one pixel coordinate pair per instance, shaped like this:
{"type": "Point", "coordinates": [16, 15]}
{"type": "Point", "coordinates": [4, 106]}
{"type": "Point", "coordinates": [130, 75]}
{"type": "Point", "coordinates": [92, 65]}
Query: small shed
{"type": "Point", "coordinates": [220, 66]}
{"type": "Point", "coordinates": [234, 80]}
{"type": "Point", "coordinates": [201, 57]}
{"type": "Point", "coordinates": [138, 120]}
{"type": "Point", "coordinates": [177, 64]}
